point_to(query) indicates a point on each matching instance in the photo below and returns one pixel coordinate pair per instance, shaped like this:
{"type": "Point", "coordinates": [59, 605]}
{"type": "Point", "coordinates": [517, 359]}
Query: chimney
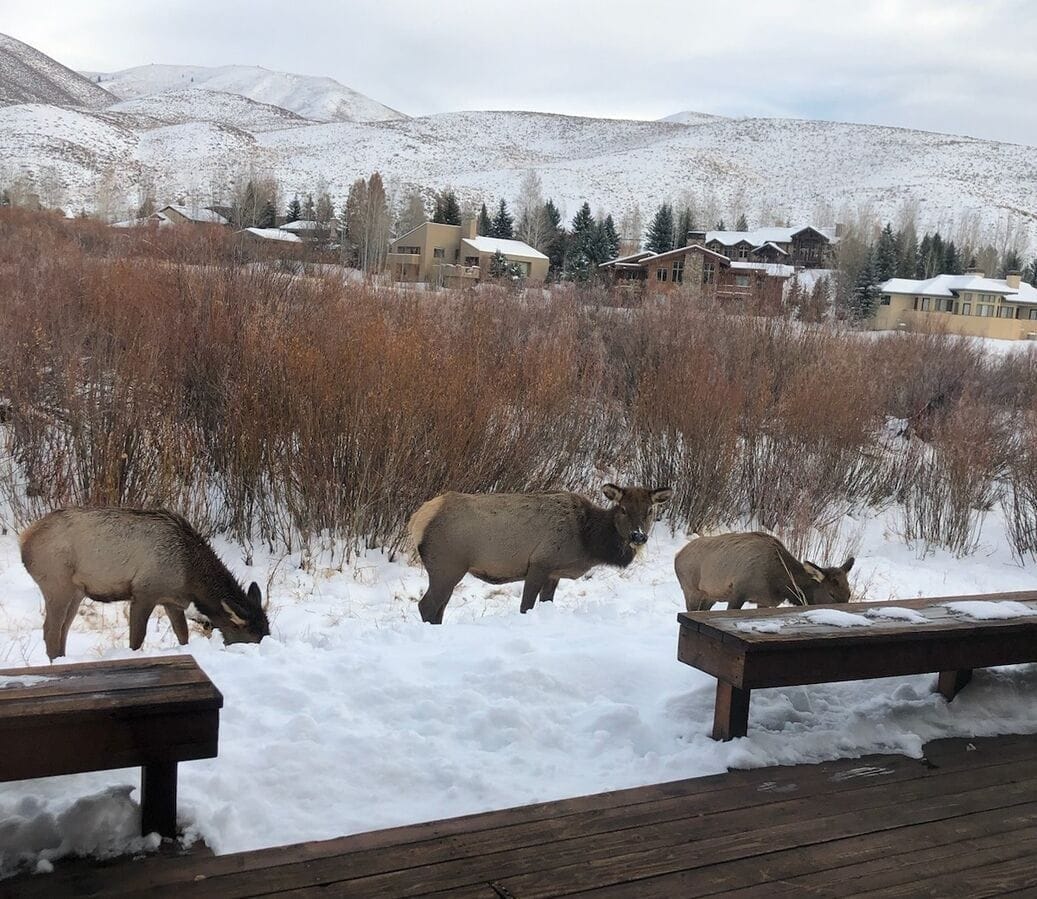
{"type": "Point", "coordinates": [696, 237]}
{"type": "Point", "coordinates": [468, 228]}
{"type": "Point", "coordinates": [1013, 278]}
{"type": "Point", "coordinates": [840, 229]}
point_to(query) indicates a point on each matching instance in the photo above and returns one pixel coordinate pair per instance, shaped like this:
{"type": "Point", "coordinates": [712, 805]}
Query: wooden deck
{"type": "Point", "coordinates": [960, 822]}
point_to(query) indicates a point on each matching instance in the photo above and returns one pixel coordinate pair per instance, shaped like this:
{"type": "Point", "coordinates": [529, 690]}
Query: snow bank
{"type": "Point", "coordinates": [896, 613]}
{"type": "Point", "coordinates": [355, 716]}
{"type": "Point", "coordinates": [983, 610]}
{"type": "Point", "coordinates": [835, 618]}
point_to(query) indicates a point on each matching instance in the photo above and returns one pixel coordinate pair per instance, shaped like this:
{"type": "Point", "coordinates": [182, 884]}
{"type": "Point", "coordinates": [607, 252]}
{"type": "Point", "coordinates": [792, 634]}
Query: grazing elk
{"type": "Point", "coordinates": [146, 558]}
{"type": "Point", "coordinates": [754, 567]}
{"type": "Point", "coordinates": [533, 537]}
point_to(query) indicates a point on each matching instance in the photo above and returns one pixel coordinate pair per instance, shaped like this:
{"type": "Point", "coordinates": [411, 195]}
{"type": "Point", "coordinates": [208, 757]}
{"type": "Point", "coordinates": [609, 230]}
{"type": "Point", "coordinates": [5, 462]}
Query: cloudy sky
{"type": "Point", "coordinates": [943, 65]}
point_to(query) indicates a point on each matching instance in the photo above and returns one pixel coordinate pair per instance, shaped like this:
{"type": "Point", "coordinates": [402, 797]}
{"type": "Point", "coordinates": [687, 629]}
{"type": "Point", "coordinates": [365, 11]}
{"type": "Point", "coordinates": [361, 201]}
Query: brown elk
{"type": "Point", "coordinates": [145, 557]}
{"type": "Point", "coordinates": [537, 538]}
{"type": "Point", "coordinates": [754, 567]}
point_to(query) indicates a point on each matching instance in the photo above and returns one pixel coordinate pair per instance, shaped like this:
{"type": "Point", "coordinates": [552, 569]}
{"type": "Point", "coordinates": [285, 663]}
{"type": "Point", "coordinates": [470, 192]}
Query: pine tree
{"type": "Point", "coordinates": [907, 252]}
{"type": "Point", "coordinates": [951, 261]}
{"type": "Point", "coordinates": [267, 215]}
{"type": "Point", "coordinates": [448, 210]}
{"type": "Point", "coordinates": [685, 223]}
{"type": "Point", "coordinates": [498, 265]}
{"type": "Point", "coordinates": [720, 225]}
{"type": "Point", "coordinates": [743, 223]}
{"type": "Point", "coordinates": [1031, 272]}
{"type": "Point", "coordinates": [556, 242]}
{"type": "Point", "coordinates": [581, 246]}
{"type": "Point", "coordinates": [308, 212]}
{"type": "Point", "coordinates": [483, 225]}
{"type": "Point", "coordinates": [502, 224]}
{"type": "Point", "coordinates": [610, 238]}
{"type": "Point", "coordinates": [660, 232]}
{"type": "Point", "coordinates": [865, 299]}
{"type": "Point", "coordinates": [294, 210]}
{"type": "Point", "coordinates": [886, 255]}
{"type": "Point", "coordinates": [1011, 262]}
{"type": "Point", "coordinates": [925, 248]}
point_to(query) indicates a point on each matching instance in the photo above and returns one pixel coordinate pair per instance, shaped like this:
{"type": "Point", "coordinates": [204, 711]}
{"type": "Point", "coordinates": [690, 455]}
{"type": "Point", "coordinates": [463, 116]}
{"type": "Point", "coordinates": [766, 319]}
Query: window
{"type": "Point", "coordinates": [743, 252]}
{"type": "Point", "coordinates": [741, 280]}
{"type": "Point", "coordinates": [1006, 312]}
{"type": "Point", "coordinates": [945, 305]}
{"type": "Point", "coordinates": [471, 260]}
{"type": "Point", "coordinates": [439, 253]}
{"type": "Point", "coordinates": [985, 311]}
{"type": "Point", "coordinates": [966, 308]}
{"type": "Point", "coordinates": [926, 304]}
{"type": "Point", "coordinates": [660, 274]}
{"type": "Point", "coordinates": [409, 251]}
{"type": "Point", "coordinates": [885, 299]}
{"type": "Point", "coordinates": [678, 271]}
{"type": "Point", "coordinates": [709, 271]}
{"type": "Point", "coordinates": [1033, 315]}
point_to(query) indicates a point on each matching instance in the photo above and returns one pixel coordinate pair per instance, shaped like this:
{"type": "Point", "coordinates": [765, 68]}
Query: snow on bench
{"type": "Point", "coordinates": [757, 648]}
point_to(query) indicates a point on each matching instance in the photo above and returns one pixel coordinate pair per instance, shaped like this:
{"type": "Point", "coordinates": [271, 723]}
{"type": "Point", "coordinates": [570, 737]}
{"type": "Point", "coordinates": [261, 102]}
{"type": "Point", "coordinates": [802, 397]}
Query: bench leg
{"type": "Point", "coordinates": [951, 682]}
{"type": "Point", "coordinates": [731, 714]}
{"type": "Point", "coordinates": [158, 799]}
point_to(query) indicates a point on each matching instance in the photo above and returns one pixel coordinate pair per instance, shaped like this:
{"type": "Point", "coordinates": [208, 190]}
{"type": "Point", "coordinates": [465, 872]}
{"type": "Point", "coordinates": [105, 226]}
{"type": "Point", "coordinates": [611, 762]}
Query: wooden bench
{"type": "Point", "coordinates": [146, 712]}
{"type": "Point", "coordinates": [742, 659]}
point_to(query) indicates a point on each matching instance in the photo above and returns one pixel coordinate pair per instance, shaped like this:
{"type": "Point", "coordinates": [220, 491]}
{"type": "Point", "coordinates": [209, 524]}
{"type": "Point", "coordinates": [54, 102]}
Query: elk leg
{"type": "Point", "coordinates": [178, 621]}
{"type": "Point", "coordinates": [140, 612]}
{"type": "Point", "coordinates": [547, 593]}
{"type": "Point", "coordinates": [535, 582]}
{"type": "Point", "coordinates": [55, 629]}
{"type": "Point", "coordinates": [440, 588]}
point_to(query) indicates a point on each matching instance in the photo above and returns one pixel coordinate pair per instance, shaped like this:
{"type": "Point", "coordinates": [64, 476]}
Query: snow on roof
{"type": "Point", "coordinates": [632, 258]}
{"type": "Point", "coordinates": [273, 234]}
{"type": "Point", "coordinates": [952, 285]}
{"type": "Point", "coordinates": [683, 251]}
{"type": "Point", "coordinates": [773, 246]}
{"type": "Point", "coordinates": [507, 247]}
{"type": "Point", "coordinates": [774, 269]}
{"type": "Point", "coordinates": [761, 236]}
{"type": "Point", "coordinates": [197, 215]}
{"type": "Point", "coordinates": [303, 225]}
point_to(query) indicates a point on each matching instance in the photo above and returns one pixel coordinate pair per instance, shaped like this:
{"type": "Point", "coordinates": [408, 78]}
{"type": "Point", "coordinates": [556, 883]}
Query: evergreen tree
{"type": "Point", "coordinates": [610, 239]}
{"type": "Point", "coordinates": [1011, 262]}
{"type": "Point", "coordinates": [925, 248]}
{"type": "Point", "coordinates": [660, 232]}
{"type": "Point", "coordinates": [498, 265]}
{"type": "Point", "coordinates": [448, 210]}
{"type": "Point", "coordinates": [720, 225]}
{"type": "Point", "coordinates": [743, 223]}
{"type": "Point", "coordinates": [267, 215]}
{"type": "Point", "coordinates": [502, 225]}
{"type": "Point", "coordinates": [951, 261]}
{"type": "Point", "coordinates": [556, 243]}
{"type": "Point", "coordinates": [582, 245]}
{"type": "Point", "coordinates": [685, 223]}
{"type": "Point", "coordinates": [1031, 272]}
{"type": "Point", "coordinates": [308, 212]}
{"type": "Point", "coordinates": [865, 299]}
{"type": "Point", "coordinates": [886, 255]}
{"type": "Point", "coordinates": [294, 210]}
{"type": "Point", "coordinates": [483, 225]}
{"type": "Point", "coordinates": [907, 252]}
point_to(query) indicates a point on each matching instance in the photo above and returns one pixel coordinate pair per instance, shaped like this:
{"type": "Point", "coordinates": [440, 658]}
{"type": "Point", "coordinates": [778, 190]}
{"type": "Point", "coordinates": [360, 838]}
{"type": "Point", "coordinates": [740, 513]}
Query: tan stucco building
{"type": "Point", "coordinates": [454, 255]}
{"type": "Point", "coordinates": [968, 304]}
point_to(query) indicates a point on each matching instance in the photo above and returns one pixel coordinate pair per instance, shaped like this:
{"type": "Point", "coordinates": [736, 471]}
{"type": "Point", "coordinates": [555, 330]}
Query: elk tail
{"type": "Point", "coordinates": [418, 524]}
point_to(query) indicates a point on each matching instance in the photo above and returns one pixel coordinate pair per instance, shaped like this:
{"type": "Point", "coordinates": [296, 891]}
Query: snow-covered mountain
{"type": "Point", "coordinates": [28, 76]}
{"type": "Point", "coordinates": [317, 99]}
{"type": "Point", "coordinates": [190, 142]}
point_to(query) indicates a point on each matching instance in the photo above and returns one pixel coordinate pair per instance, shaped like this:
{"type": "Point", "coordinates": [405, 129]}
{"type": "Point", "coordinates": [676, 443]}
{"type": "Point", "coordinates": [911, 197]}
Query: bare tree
{"type": "Point", "coordinates": [631, 228]}
{"type": "Point", "coordinates": [412, 213]}
{"type": "Point", "coordinates": [533, 225]}
{"type": "Point", "coordinates": [367, 222]}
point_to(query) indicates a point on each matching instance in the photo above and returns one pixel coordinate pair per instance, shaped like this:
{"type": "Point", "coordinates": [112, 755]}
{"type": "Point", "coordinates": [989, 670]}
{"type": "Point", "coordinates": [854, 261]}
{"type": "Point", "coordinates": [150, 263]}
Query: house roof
{"type": "Point", "coordinates": [683, 251]}
{"type": "Point", "coordinates": [302, 225]}
{"type": "Point", "coordinates": [272, 234]}
{"type": "Point", "coordinates": [760, 236]}
{"type": "Point", "coordinates": [206, 216]}
{"type": "Point", "coordinates": [631, 259]}
{"type": "Point", "coordinates": [952, 285]}
{"type": "Point", "coordinates": [773, 269]}
{"type": "Point", "coordinates": [507, 247]}
{"type": "Point", "coordinates": [771, 245]}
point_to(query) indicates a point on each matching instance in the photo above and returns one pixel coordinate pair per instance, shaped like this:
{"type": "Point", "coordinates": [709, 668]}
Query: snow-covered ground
{"type": "Point", "coordinates": [354, 715]}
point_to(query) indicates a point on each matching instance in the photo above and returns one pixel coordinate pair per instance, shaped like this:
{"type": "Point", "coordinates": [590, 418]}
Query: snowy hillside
{"type": "Point", "coordinates": [317, 99]}
{"type": "Point", "coordinates": [28, 76]}
{"type": "Point", "coordinates": [689, 117]}
{"type": "Point", "coordinates": [178, 107]}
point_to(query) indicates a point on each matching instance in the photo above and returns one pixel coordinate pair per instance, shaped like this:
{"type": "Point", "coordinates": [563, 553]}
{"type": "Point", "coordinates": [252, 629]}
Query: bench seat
{"type": "Point", "coordinates": [150, 713]}
{"type": "Point", "coordinates": [794, 651]}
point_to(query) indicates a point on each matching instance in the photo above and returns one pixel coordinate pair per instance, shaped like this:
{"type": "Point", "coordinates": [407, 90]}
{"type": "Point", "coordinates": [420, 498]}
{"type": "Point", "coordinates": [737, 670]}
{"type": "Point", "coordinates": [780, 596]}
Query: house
{"type": "Point", "coordinates": [700, 273]}
{"type": "Point", "coordinates": [803, 246]}
{"type": "Point", "coordinates": [969, 304]}
{"type": "Point", "coordinates": [275, 235]}
{"type": "Point", "coordinates": [455, 255]}
{"type": "Point", "coordinates": [308, 229]}
{"type": "Point", "coordinates": [191, 215]}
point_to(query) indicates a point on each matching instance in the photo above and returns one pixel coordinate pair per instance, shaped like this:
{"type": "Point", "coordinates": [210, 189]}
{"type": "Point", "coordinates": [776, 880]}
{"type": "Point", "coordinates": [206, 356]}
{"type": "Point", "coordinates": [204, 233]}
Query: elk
{"type": "Point", "coordinates": [144, 557]}
{"type": "Point", "coordinates": [754, 567]}
{"type": "Point", "coordinates": [537, 538]}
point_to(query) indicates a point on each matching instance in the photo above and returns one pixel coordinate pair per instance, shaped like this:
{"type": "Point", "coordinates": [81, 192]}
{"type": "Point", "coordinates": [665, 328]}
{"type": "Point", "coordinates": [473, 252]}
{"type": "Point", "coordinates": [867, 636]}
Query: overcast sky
{"type": "Point", "coordinates": [943, 65]}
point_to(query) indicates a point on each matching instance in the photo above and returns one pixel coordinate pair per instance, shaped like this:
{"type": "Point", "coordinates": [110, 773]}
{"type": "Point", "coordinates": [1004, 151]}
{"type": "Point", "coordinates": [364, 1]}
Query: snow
{"type": "Point", "coordinates": [203, 216]}
{"type": "Point", "coordinates": [178, 107]}
{"type": "Point", "coordinates": [895, 613]}
{"type": "Point", "coordinates": [315, 98]}
{"type": "Point", "coordinates": [22, 680]}
{"type": "Point", "coordinates": [354, 715]}
{"type": "Point", "coordinates": [835, 618]}
{"type": "Point", "coordinates": [774, 269]}
{"type": "Point", "coordinates": [274, 234]}
{"type": "Point", "coordinates": [983, 610]}
{"type": "Point", "coordinates": [29, 76]}
{"type": "Point", "coordinates": [507, 247]}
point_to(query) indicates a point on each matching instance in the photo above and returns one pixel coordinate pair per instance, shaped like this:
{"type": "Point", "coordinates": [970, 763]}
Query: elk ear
{"type": "Point", "coordinates": [662, 495]}
{"type": "Point", "coordinates": [814, 571]}
{"type": "Point", "coordinates": [613, 492]}
{"type": "Point", "coordinates": [848, 564]}
{"type": "Point", "coordinates": [234, 617]}
{"type": "Point", "coordinates": [255, 595]}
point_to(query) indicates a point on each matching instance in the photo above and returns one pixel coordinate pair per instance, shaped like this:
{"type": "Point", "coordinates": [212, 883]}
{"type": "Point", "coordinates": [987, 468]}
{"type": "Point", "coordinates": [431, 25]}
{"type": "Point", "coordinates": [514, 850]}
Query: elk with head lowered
{"type": "Point", "coordinates": [147, 558]}
{"type": "Point", "coordinates": [537, 538]}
